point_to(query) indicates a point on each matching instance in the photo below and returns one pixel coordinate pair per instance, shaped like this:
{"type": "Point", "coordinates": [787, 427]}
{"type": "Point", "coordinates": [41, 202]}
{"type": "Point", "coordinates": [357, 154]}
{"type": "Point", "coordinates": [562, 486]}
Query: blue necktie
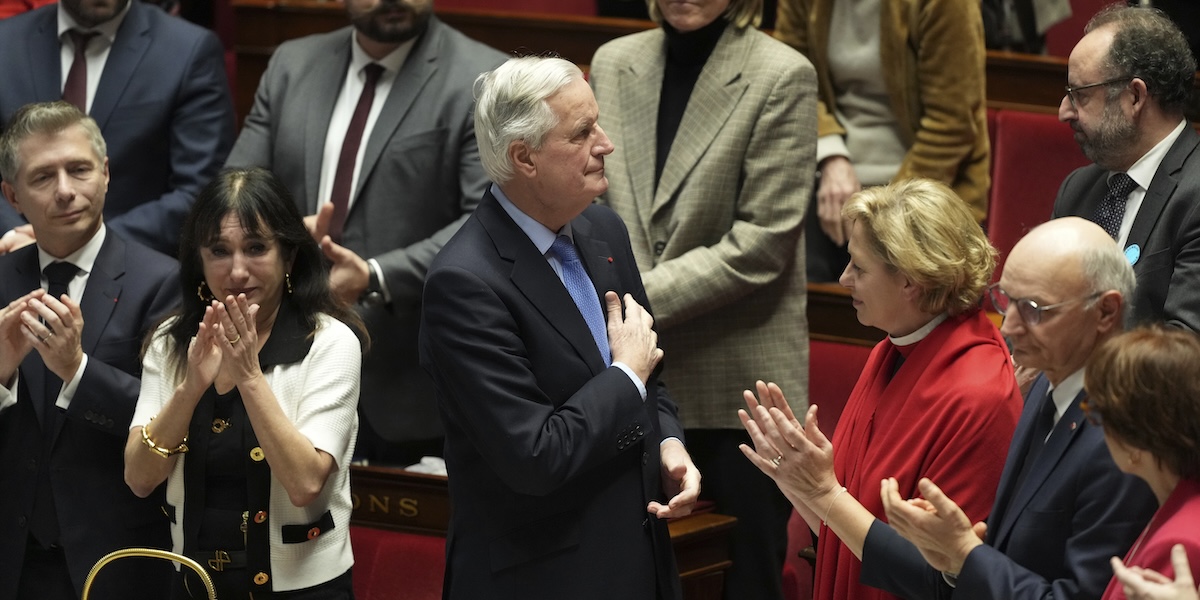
{"type": "Point", "coordinates": [579, 285]}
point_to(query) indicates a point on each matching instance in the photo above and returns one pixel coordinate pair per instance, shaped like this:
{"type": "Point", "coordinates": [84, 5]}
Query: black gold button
{"type": "Point", "coordinates": [261, 578]}
{"type": "Point", "coordinates": [256, 454]}
{"type": "Point", "coordinates": [260, 516]}
{"type": "Point", "coordinates": [314, 532]}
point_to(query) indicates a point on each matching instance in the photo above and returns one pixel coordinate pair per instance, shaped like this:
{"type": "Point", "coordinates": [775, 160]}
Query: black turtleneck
{"type": "Point", "coordinates": [687, 54]}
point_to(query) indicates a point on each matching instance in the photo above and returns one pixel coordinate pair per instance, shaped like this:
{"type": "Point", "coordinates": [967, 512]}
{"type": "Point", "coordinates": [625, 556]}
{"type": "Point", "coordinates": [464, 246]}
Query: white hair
{"type": "Point", "coordinates": [510, 105]}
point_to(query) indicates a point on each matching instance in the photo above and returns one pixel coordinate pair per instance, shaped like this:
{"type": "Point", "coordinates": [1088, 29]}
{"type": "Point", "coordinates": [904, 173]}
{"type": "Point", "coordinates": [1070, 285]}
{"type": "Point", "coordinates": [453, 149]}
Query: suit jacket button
{"type": "Point", "coordinates": [659, 246]}
{"type": "Point", "coordinates": [645, 458]}
{"type": "Point", "coordinates": [21, 521]}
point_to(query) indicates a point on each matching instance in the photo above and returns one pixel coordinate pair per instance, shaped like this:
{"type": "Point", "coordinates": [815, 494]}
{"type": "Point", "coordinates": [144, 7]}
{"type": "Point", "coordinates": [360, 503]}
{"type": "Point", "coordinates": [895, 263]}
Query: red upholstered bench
{"type": "Point", "coordinates": [393, 565]}
{"type": "Point", "coordinates": [1031, 155]}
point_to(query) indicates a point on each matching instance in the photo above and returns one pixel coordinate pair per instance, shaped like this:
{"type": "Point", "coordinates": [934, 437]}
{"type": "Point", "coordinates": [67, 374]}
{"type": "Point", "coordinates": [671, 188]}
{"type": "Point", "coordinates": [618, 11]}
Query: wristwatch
{"type": "Point", "coordinates": [373, 295]}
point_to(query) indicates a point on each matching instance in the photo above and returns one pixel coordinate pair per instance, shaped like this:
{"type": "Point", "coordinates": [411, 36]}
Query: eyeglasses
{"type": "Point", "coordinates": [1029, 310]}
{"type": "Point", "coordinates": [1076, 88]}
{"type": "Point", "coordinates": [1094, 418]}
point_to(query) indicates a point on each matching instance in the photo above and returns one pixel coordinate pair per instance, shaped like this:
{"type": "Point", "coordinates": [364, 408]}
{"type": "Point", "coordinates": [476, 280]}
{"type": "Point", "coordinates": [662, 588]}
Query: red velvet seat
{"type": "Point", "coordinates": [393, 565]}
{"type": "Point", "coordinates": [1031, 155]}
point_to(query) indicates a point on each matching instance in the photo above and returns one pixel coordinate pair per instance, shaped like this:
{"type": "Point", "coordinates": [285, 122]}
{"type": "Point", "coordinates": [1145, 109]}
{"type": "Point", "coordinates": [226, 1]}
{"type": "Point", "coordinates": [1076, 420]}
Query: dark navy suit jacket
{"type": "Point", "coordinates": [552, 456]}
{"type": "Point", "coordinates": [163, 105]}
{"type": "Point", "coordinates": [129, 289]}
{"type": "Point", "coordinates": [1050, 538]}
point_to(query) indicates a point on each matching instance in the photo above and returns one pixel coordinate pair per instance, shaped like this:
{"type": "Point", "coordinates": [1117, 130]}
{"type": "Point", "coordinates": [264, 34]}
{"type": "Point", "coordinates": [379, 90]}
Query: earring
{"type": "Point", "coordinates": [203, 293]}
{"type": "Point", "coordinates": [287, 280]}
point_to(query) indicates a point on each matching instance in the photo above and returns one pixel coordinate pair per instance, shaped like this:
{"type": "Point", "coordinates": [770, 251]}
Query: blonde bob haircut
{"type": "Point", "coordinates": [742, 13]}
{"type": "Point", "coordinates": [923, 230]}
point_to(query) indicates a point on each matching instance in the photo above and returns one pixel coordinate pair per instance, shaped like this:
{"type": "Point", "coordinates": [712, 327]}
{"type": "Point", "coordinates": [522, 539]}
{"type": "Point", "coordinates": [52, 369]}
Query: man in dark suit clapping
{"type": "Point", "coordinates": [76, 306]}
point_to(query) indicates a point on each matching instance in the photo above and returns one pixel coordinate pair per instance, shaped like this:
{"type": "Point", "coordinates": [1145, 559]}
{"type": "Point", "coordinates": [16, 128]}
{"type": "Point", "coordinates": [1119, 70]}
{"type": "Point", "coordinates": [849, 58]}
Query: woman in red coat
{"type": "Point", "coordinates": [1144, 390]}
{"type": "Point", "coordinates": [937, 398]}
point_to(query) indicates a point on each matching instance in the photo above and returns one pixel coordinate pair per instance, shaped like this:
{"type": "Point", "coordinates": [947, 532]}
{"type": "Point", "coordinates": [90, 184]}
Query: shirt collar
{"type": "Point", "coordinates": [920, 334]}
{"type": "Point", "coordinates": [107, 29]}
{"type": "Point", "coordinates": [290, 338]}
{"type": "Point", "coordinates": [1065, 392]}
{"type": "Point", "coordinates": [84, 257]}
{"type": "Point", "coordinates": [539, 234]}
{"type": "Point", "coordinates": [390, 63]}
{"type": "Point", "coordinates": [1142, 172]}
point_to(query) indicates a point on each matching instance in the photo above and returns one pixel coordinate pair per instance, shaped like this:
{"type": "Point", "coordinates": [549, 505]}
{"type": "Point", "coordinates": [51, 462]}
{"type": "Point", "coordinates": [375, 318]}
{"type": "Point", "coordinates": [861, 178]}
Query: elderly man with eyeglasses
{"type": "Point", "coordinates": [1130, 79]}
{"type": "Point", "coordinates": [1062, 507]}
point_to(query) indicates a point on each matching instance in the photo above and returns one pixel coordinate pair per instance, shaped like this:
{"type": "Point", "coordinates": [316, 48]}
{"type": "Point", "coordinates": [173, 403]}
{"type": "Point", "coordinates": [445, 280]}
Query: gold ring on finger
{"type": "Point", "coordinates": [778, 459]}
{"type": "Point", "coordinates": [235, 340]}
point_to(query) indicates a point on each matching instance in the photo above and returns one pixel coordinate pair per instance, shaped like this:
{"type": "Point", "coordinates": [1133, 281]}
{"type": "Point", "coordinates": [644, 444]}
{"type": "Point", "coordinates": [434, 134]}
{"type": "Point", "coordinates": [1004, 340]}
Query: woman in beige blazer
{"type": "Point", "coordinates": [714, 125]}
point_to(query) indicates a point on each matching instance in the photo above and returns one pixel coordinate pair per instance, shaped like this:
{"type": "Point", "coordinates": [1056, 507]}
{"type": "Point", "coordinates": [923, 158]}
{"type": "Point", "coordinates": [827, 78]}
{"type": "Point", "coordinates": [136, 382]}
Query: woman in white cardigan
{"type": "Point", "coordinates": [248, 401]}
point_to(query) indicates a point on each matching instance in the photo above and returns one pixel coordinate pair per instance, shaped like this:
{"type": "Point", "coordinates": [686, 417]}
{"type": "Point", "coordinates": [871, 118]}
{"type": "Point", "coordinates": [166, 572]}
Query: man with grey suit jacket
{"type": "Point", "coordinates": [370, 128]}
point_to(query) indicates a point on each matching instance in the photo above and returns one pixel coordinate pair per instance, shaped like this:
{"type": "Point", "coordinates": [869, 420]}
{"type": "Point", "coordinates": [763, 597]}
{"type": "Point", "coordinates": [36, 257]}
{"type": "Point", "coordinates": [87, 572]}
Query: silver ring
{"type": "Point", "coordinates": [778, 459]}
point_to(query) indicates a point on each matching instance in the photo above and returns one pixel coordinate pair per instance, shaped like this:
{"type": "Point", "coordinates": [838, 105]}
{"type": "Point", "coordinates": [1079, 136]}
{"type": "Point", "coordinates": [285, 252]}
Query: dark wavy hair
{"type": "Point", "coordinates": [265, 209]}
{"type": "Point", "coordinates": [1149, 46]}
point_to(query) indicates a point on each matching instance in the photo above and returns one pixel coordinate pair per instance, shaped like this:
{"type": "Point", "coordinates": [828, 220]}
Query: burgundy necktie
{"type": "Point", "coordinates": [344, 176]}
{"type": "Point", "coordinates": [75, 89]}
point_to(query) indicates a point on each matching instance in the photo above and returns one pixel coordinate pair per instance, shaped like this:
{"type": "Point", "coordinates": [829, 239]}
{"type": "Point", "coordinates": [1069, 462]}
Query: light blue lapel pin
{"type": "Point", "coordinates": [1133, 253]}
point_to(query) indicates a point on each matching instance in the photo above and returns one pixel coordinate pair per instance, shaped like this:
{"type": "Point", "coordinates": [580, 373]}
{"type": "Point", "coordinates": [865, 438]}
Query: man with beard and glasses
{"type": "Point", "coordinates": [370, 128]}
{"type": "Point", "coordinates": [156, 86]}
{"type": "Point", "coordinates": [1129, 80]}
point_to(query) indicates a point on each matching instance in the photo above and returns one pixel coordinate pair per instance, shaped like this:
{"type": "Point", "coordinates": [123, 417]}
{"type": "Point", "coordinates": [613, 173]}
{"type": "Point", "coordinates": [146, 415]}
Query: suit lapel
{"type": "Point", "coordinates": [713, 99]}
{"type": "Point", "coordinates": [640, 84]}
{"type": "Point", "coordinates": [1061, 437]}
{"type": "Point", "coordinates": [103, 290]}
{"type": "Point", "coordinates": [597, 259]}
{"type": "Point", "coordinates": [536, 280]}
{"type": "Point", "coordinates": [1162, 187]}
{"type": "Point", "coordinates": [45, 66]}
{"type": "Point", "coordinates": [129, 45]}
{"type": "Point", "coordinates": [324, 84]}
{"type": "Point", "coordinates": [418, 68]}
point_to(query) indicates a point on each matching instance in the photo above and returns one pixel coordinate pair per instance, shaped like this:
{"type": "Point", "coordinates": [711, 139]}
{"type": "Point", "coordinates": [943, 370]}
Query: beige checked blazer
{"type": "Point", "coordinates": [718, 240]}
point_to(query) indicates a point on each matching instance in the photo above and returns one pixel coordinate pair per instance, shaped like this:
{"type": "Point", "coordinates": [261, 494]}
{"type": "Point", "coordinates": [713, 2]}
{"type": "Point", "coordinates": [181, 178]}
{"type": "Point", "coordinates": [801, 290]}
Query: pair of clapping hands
{"type": "Point", "coordinates": [799, 458]}
{"type": "Point", "coordinates": [226, 344]}
{"type": "Point", "coordinates": [38, 321]}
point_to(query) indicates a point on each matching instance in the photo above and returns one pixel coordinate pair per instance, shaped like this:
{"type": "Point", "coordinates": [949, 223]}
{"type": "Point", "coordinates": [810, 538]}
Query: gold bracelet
{"type": "Point", "coordinates": [827, 511]}
{"type": "Point", "coordinates": [159, 450]}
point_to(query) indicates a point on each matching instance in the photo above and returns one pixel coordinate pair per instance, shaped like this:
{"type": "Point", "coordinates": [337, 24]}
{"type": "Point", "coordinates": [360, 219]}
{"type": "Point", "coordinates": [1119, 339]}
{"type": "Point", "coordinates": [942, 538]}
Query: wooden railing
{"type": "Point", "coordinates": [1014, 80]}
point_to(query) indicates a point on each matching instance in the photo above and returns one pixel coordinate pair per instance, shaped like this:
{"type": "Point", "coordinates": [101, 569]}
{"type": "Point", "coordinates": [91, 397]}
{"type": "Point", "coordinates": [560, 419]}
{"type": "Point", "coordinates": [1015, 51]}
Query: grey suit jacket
{"type": "Point", "coordinates": [162, 103]}
{"type": "Point", "coordinates": [719, 237]}
{"type": "Point", "coordinates": [420, 178]}
{"type": "Point", "coordinates": [129, 289]}
{"type": "Point", "coordinates": [1165, 233]}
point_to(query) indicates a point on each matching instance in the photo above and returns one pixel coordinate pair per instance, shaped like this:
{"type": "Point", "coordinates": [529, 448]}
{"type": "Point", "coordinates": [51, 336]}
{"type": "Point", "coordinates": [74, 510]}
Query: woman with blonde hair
{"type": "Point", "coordinates": [937, 398]}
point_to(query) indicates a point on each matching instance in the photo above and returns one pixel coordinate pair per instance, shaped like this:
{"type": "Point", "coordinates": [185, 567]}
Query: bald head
{"type": "Point", "coordinates": [1073, 263]}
